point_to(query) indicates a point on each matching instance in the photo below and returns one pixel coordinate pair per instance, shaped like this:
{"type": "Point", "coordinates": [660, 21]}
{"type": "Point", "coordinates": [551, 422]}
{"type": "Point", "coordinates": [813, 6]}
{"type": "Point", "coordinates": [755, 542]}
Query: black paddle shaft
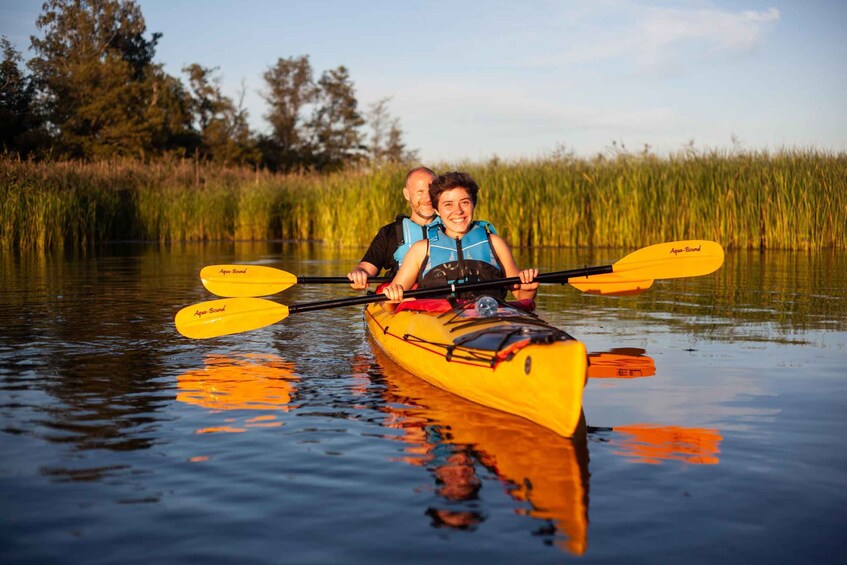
{"type": "Point", "coordinates": [339, 280]}
{"type": "Point", "coordinates": [556, 277]}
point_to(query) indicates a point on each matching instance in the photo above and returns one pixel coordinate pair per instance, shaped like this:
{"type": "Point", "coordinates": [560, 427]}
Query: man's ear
{"type": "Point", "coordinates": [406, 194]}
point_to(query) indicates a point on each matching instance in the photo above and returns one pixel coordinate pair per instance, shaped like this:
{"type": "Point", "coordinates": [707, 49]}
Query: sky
{"type": "Point", "coordinates": [473, 80]}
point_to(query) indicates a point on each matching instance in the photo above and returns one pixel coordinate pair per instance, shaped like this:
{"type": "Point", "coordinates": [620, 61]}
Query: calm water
{"type": "Point", "coordinates": [716, 413]}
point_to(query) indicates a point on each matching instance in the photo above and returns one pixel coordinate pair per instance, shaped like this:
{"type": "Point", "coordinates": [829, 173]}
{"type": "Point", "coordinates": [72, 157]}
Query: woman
{"type": "Point", "coordinates": [459, 249]}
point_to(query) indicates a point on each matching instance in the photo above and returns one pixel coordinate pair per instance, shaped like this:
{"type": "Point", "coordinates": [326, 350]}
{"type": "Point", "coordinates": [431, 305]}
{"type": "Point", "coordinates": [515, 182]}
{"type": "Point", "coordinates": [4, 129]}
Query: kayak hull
{"type": "Point", "coordinates": [511, 361]}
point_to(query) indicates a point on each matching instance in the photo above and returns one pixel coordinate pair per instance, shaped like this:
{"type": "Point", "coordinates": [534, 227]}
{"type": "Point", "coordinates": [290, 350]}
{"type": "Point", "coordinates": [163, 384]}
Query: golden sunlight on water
{"type": "Point", "coordinates": [240, 382]}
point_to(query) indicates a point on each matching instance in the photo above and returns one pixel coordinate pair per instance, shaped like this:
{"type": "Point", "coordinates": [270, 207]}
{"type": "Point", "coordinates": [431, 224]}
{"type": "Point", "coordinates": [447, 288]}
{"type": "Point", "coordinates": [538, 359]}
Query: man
{"type": "Point", "coordinates": [393, 240]}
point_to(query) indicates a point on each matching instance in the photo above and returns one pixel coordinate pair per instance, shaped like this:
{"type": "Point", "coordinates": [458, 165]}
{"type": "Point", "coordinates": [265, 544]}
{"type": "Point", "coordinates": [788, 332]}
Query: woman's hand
{"type": "Point", "coordinates": [528, 281]}
{"type": "Point", "coordinates": [394, 292]}
{"type": "Point", "coordinates": [528, 287]}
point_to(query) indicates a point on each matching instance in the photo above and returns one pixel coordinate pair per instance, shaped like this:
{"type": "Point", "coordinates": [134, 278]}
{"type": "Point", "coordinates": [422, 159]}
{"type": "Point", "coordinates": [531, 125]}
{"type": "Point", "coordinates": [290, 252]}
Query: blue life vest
{"type": "Point", "coordinates": [469, 259]}
{"type": "Point", "coordinates": [408, 233]}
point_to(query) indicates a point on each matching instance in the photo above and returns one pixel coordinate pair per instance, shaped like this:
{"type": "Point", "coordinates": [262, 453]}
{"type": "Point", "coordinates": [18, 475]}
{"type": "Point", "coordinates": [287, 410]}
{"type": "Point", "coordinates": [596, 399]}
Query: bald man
{"type": "Point", "coordinates": [393, 240]}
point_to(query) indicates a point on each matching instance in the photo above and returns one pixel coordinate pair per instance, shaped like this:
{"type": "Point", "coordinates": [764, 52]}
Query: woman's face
{"type": "Point", "coordinates": [456, 210]}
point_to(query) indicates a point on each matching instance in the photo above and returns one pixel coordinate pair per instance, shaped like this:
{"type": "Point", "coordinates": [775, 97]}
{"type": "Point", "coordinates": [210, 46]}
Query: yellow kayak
{"type": "Point", "coordinates": [504, 358]}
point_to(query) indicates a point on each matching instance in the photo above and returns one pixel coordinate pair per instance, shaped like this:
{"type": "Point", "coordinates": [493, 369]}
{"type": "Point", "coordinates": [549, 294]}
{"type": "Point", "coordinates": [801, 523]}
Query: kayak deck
{"type": "Point", "coordinates": [510, 360]}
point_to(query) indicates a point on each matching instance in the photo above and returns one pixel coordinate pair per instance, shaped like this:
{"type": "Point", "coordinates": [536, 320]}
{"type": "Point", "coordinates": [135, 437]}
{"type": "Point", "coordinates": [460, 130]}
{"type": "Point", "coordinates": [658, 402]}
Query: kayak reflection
{"type": "Point", "coordinates": [453, 438]}
{"type": "Point", "coordinates": [647, 443]}
{"type": "Point", "coordinates": [620, 363]}
{"type": "Point", "coordinates": [650, 443]}
{"type": "Point", "coordinates": [240, 382]}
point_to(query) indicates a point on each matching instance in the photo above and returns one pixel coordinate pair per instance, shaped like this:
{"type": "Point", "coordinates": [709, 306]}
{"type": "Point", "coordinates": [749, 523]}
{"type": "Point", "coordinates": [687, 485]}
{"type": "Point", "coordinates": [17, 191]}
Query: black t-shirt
{"type": "Point", "coordinates": [381, 252]}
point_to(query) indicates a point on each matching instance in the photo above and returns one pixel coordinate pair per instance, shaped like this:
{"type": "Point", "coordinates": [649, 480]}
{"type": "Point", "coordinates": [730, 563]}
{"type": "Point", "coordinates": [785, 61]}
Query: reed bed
{"type": "Point", "coordinates": [756, 200]}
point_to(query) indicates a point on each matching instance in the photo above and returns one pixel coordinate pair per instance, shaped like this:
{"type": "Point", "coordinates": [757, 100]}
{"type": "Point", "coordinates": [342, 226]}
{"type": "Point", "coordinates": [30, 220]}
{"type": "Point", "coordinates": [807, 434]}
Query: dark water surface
{"type": "Point", "coordinates": [716, 413]}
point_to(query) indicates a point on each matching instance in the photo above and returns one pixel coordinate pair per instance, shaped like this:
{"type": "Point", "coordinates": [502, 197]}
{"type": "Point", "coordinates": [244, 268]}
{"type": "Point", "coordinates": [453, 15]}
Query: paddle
{"type": "Point", "coordinates": [241, 281]}
{"type": "Point", "coordinates": [666, 260]}
{"type": "Point", "coordinates": [258, 280]}
{"type": "Point", "coordinates": [632, 274]}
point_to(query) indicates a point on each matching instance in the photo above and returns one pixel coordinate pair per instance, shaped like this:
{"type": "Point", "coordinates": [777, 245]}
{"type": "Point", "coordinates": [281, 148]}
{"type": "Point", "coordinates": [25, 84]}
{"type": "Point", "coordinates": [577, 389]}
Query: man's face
{"type": "Point", "coordinates": [416, 192]}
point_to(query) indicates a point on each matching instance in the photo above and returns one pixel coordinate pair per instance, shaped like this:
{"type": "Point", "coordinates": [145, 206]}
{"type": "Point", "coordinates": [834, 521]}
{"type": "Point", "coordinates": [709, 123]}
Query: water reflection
{"type": "Point", "coordinates": [620, 363]}
{"type": "Point", "coordinates": [651, 443]}
{"type": "Point", "coordinates": [647, 443]}
{"type": "Point", "coordinates": [754, 297]}
{"type": "Point", "coordinates": [240, 382]}
{"type": "Point", "coordinates": [454, 438]}
{"type": "Point", "coordinates": [90, 367]}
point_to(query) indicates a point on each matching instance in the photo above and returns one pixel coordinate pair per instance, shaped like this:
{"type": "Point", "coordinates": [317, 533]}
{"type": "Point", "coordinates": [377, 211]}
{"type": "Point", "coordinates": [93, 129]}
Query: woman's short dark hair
{"type": "Point", "coordinates": [449, 181]}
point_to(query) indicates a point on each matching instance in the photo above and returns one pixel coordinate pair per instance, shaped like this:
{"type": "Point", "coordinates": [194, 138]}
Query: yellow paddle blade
{"type": "Point", "coordinates": [610, 284]}
{"type": "Point", "coordinates": [226, 316]}
{"type": "Point", "coordinates": [675, 259]}
{"type": "Point", "coordinates": [245, 280]}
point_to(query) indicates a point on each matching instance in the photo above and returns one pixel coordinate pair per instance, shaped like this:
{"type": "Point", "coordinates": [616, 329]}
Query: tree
{"type": "Point", "coordinates": [386, 139]}
{"type": "Point", "coordinates": [378, 120]}
{"type": "Point", "coordinates": [169, 116]}
{"type": "Point", "coordinates": [336, 139]}
{"type": "Point", "coordinates": [224, 134]}
{"type": "Point", "coordinates": [20, 123]}
{"type": "Point", "coordinates": [395, 149]}
{"type": "Point", "coordinates": [95, 69]}
{"type": "Point", "coordinates": [290, 90]}
{"type": "Point", "coordinates": [206, 97]}
{"type": "Point", "coordinates": [228, 137]}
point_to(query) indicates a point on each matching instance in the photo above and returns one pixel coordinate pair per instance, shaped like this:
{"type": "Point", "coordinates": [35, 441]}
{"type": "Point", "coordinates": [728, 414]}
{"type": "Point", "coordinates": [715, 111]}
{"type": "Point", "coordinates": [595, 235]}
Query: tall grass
{"type": "Point", "coordinates": [758, 200]}
{"type": "Point", "coordinates": [788, 200]}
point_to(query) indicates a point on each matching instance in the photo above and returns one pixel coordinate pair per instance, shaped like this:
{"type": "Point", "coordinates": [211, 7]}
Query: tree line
{"type": "Point", "coordinates": [92, 90]}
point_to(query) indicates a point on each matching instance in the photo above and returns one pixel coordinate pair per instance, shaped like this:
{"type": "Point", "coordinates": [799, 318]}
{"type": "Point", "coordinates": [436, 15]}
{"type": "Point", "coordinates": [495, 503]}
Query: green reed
{"type": "Point", "coordinates": [757, 200]}
{"type": "Point", "coordinates": [788, 200]}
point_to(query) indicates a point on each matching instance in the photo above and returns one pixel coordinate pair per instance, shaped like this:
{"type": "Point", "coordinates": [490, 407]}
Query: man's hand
{"type": "Point", "coordinates": [358, 279]}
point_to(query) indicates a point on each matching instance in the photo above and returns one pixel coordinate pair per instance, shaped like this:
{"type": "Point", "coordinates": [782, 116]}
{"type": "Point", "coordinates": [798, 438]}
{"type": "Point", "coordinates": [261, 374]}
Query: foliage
{"type": "Point", "coordinates": [21, 125]}
{"type": "Point", "coordinates": [95, 68]}
{"type": "Point", "coordinates": [224, 135]}
{"type": "Point", "coordinates": [316, 125]}
{"type": "Point", "coordinates": [336, 139]}
{"type": "Point", "coordinates": [290, 89]}
{"type": "Point", "coordinates": [386, 138]}
{"type": "Point", "coordinates": [95, 92]}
